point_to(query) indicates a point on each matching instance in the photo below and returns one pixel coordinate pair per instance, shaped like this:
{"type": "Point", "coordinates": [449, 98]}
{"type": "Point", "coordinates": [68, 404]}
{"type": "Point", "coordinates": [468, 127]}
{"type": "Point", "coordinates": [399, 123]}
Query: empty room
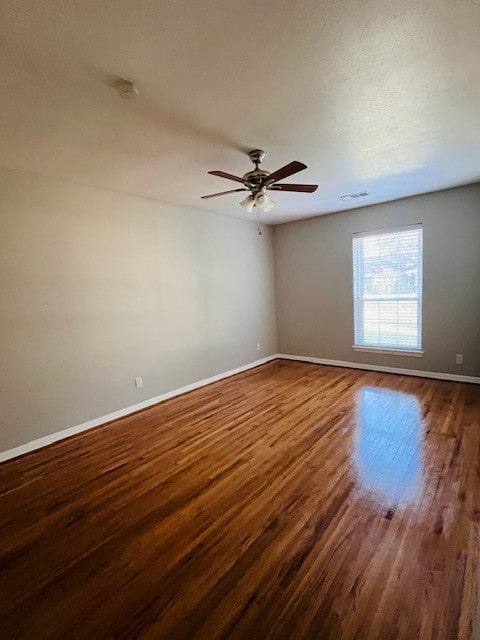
{"type": "Point", "coordinates": [240, 320]}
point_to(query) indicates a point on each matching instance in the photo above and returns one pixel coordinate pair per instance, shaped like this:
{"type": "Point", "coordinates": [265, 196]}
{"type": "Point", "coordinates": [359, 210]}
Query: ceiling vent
{"type": "Point", "coordinates": [355, 196]}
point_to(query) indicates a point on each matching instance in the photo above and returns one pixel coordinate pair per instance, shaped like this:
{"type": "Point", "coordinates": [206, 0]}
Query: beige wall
{"type": "Point", "coordinates": [97, 288]}
{"type": "Point", "coordinates": [313, 260]}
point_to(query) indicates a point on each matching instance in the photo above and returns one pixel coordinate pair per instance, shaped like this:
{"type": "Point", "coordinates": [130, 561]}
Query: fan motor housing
{"type": "Point", "coordinates": [255, 178]}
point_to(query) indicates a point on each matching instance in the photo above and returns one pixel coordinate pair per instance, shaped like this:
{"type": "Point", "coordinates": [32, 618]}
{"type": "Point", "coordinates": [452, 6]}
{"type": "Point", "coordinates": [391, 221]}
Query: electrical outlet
{"type": "Point", "coordinates": [138, 382]}
{"type": "Point", "coordinates": [459, 358]}
{"type": "Point", "coordinates": [259, 346]}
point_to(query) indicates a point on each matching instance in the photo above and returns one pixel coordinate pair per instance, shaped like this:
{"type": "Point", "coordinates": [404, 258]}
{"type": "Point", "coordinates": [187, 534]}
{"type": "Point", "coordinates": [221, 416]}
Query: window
{"type": "Point", "coordinates": [387, 289]}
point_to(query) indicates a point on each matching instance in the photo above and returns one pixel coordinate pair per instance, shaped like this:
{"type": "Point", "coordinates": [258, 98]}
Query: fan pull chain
{"type": "Point", "coordinates": [259, 230]}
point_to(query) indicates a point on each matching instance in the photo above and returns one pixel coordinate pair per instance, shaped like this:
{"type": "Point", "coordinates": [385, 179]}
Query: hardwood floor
{"type": "Point", "coordinates": [294, 501]}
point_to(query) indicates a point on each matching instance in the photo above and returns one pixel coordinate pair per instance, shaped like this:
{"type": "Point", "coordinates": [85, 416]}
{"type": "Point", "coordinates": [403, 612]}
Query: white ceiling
{"type": "Point", "coordinates": [371, 95]}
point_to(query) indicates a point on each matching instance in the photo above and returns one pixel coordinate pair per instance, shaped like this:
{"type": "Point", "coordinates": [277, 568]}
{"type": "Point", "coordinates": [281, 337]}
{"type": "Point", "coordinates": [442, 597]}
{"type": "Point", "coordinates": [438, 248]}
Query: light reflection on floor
{"type": "Point", "coordinates": [389, 445]}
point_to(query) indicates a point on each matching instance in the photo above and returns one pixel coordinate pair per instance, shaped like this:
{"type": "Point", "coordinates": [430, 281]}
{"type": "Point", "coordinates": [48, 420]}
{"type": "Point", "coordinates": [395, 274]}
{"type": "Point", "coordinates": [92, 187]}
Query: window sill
{"type": "Point", "coordinates": [396, 352]}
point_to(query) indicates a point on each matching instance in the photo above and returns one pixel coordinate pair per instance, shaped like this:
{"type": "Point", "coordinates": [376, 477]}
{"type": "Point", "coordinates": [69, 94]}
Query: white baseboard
{"type": "Point", "coordinates": [66, 433]}
{"type": "Point", "coordinates": [373, 367]}
{"type": "Point", "coordinates": [90, 424]}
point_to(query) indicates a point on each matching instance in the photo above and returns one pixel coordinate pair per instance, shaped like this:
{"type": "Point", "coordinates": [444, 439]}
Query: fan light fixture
{"type": "Point", "coordinates": [264, 202]}
{"type": "Point", "coordinates": [248, 203]}
{"type": "Point", "coordinates": [261, 200]}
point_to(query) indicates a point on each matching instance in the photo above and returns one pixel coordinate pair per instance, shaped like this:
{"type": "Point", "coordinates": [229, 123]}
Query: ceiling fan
{"type": "Point", "coordinates": [259, 181]}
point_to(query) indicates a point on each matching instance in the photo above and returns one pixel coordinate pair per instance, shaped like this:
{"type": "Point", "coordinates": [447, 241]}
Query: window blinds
{"type": "Point", "coordinates": [387, 288]}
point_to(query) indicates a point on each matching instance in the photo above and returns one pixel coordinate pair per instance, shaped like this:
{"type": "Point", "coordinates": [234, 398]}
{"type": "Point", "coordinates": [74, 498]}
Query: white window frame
{"type": "Point", "coordinates": [359, 301]}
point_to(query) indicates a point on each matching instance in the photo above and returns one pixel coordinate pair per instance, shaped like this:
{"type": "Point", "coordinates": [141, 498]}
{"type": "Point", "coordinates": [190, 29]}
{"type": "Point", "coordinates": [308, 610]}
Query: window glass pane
{"type": "Point", "coordinates": [387, 269]}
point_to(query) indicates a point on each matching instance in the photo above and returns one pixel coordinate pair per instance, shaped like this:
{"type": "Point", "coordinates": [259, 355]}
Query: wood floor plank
{"type": "Point", "coordinates": [293, 501]}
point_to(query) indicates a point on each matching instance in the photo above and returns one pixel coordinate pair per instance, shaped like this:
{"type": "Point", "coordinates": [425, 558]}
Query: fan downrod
{"type": "Point", "coordinates": [254, 179]}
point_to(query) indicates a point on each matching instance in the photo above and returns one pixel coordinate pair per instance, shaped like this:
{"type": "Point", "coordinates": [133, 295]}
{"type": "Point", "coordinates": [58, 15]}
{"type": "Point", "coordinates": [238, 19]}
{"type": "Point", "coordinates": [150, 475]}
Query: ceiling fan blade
{"type": "Point", "coordinates": [222, 193]}
{"type": "Point", "coordinates": [228, 176]}
{"type": "Point", "coordinates": [305, 188]}
{"type": "Point", "coordinates": [284, 172]}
